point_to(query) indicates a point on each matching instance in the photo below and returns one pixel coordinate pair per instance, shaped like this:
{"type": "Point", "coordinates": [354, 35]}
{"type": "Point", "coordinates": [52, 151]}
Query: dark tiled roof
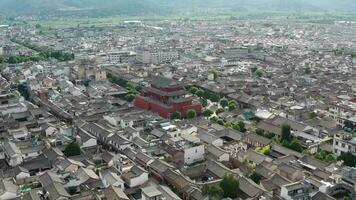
{"type": "Point", "coordinates": [322, 196]}
{"type": "Point", "coordinates": [163, 82]}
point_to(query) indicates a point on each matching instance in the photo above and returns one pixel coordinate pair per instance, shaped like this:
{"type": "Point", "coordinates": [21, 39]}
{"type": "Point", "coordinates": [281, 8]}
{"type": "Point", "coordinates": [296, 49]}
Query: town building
{"type": "Point", "coordinates": [166, 96]}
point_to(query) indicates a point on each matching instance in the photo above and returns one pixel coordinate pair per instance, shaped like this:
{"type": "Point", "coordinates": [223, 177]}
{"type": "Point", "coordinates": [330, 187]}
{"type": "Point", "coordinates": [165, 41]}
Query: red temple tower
{"type": "Point", "coordinates": [166, 96]}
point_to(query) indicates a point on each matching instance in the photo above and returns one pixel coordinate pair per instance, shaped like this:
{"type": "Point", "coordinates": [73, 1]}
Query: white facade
{"type": "Point", "coordinates": [194, 154]}
{"type": "Point", "coordinates": [89, 143]}
{"type": "Point", "coordinates": [32, 154]}
{"type": "Point", "coordinates": [139, 180]}
{"type": "Point", "coordinates": [157, 56]}
{"type": "Point", "coordinates": [224, 157]}
{"type": "Point", "coordinates": [13, 154]}
{"type": "Point", "coordinates": [22, 175]}
{"type": "Point", "coordinates": [344, 143]}
{"type": "Point", "coordinates": [218, 142]}
{"type": "Point", "coordinates": [8, 196]}
{"type": "Point", "coordinates": [344, 111]}
{"type": "Point", "coordinates": [284, 193]}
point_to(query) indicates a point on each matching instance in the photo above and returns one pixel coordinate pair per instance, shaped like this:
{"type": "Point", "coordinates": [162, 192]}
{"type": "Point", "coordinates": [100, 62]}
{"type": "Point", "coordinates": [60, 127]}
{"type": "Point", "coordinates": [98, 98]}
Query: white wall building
{"type": "Point", "coordinates": [194, 154]}
{"type": "Point", "coordinates": [343, 143]}
{"type": "Point", "coordinates": [345, 110]}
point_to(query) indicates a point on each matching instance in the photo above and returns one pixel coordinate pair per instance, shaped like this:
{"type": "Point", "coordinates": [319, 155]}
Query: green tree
{"type": "Point", "coordinates": [191, 114]}
{"type": "Point", "coordinates": [129, 97]}
{"type": "Point", "coordinates": [348, 158]}
{"type": "Point", "coordinates": [353, 55]}
{"type": "Point", "coordinates": [307, 70]}
{"type": "Point", "coordinates": [2, 59]}
{"type": "Point", "coordinates": [214, 119]}
{"type": "Point", "coordinates": [72, 149]}
{"type": "Point", "coordinates": [194, 90]}
{"type": "Point", "coordinates": [230, 186]}
{"type": "Point", "coordinates": [203, 102]}
{"type": "Point", "coordinates": [138, 88]}
{"type": "Point", "coordinates": [347, 198]}
{"type": "Point", "coordinates": [259, 73]}
{"type": "Point", "coordinates": [213, 97]}
{"type": "Point", "coordinates": [200, 93]}
{"type": "Point", "coordinates": [306, 152]}
{"type": "Point", "coordinates": [321, 155]}
{"type": "Point", "coordinates": [233, 102]}
{"type": "Point", "coordinates": [286, 132]}
{"type": "Point", "coordinates": [176, 115]}
{"type": "Point", "coordinates": [236, 127]}
{"type": "Point", "coordinates": [259, 131]}
{"type": "Point", "coordinates": [312, 115]}
{"type": "Point", "coordinates": [232, 107]}
{"type": "Point", "coordinates": [219, 110]}
{"type": "Point", "coordinates": [22, 88]}
{"type": "Point", "coordinates": [224, 103]}
{"type": "Point", "coordinates": [228, 124]}
{"type": "Point", "coordinates": [265, 150]}
{"type": "Point", "coordinates": [12, 60]}
{"type": "Point", "coordinates": [294, 145]}
{"type": "Point", "coordinates": [213, 192]}
{"type": "Point", "coordinates": [207, 112]}
{"type": "Point", "coordinates": [338, 52]}
{"type": "Point", "coordinates": [242, 126]}
{"type": "Point", "coordinates": [215, 74]}
{"type": "Point", "coordinates": [330, 158]}
{"type": "Point", "coordinates": [255, 177]}
{"type": "Point", "coordinates": [220, 122]}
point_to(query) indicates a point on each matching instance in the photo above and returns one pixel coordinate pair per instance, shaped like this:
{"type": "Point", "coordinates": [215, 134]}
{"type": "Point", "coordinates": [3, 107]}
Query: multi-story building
{"type": "Point", "coordinates": [344, 112]}
{"type": "Point", "coordinates": [13, 155]}
{"type": "Point", "coordinates": [157, 56]}
{"type": "Point", "coordinates": [185, 150]}
{"type": "Point", "coordinates": [118, 57]}
{"type": "Point", "coordinates": [343, 143]}
{"type": "Point", "coordinates": [296, 191]}
{"type": "Point", "coordinates": [151, 193]}
{"type": "Point", "coordinates": [92, 73]}
{"type": "Point", "coordinates": [166, 96]}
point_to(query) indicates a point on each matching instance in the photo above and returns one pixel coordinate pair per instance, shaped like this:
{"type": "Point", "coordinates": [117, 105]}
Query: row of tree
{"type": "Point", "coordinates": [43, 54]}
{"type": "Point", "coordinates": [20, 59]}
{"type": "Point", "coordinates": [191, 114]}
{"type": "Point", "coordinates": [205, 94]}
{"type": "Point", "coordinates": [132, 90]}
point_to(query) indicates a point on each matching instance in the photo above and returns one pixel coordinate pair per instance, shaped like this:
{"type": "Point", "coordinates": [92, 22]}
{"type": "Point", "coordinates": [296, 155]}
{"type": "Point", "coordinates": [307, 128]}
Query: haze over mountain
{"type": "Point", "coordinates": [141, 7]}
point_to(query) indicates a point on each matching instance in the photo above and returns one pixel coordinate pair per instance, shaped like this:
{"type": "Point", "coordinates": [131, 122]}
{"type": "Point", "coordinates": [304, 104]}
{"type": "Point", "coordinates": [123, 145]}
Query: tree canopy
{"type": "Point", "coordinates": [294, 145]}
{"type": "Point", "coordinates": [255, 177]}
{"type": "Point", "coordinates": [129, 97]}
{"type": "Point", "coordinates": [176, 115]}
{"type": "Point", "coordinates": [213, 192]}
{"type": "Point", "coordinates": [265, 150]}
{"type": "Point", "coordinates": [215, 73]}
{"type": "Point", "coordinates": [348, 158]}
{"type": "Point", "coordinates": [232, 107]}
{"type": "Point", "coordinates": [203, 102]}
{"type": "Point", "coordinates": [224, 103]}
{"type": "Point", "coordinates": [286, 132]}
{"type": "Point", "coordinates": [230, 186]}
{"type": "Point", "coordinates": [312, 115]}
{"type": "Point", "coordinates": [194, 90]}
{"type": "Point", "coordinates": [191, 114]}
{"type": "Point", "coordinates": [207, 112]}
{"type": "Point", "coordinates": [72, 149]}
{"type": "Point", "coordinates": [259, 73]}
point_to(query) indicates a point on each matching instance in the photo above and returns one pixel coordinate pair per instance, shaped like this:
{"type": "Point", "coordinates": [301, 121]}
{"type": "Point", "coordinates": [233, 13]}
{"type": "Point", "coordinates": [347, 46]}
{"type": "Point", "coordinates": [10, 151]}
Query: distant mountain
{"type": "Point", "coordinates": [126, 7]}
{"type": "Point", "coordinates": [142, 7]}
